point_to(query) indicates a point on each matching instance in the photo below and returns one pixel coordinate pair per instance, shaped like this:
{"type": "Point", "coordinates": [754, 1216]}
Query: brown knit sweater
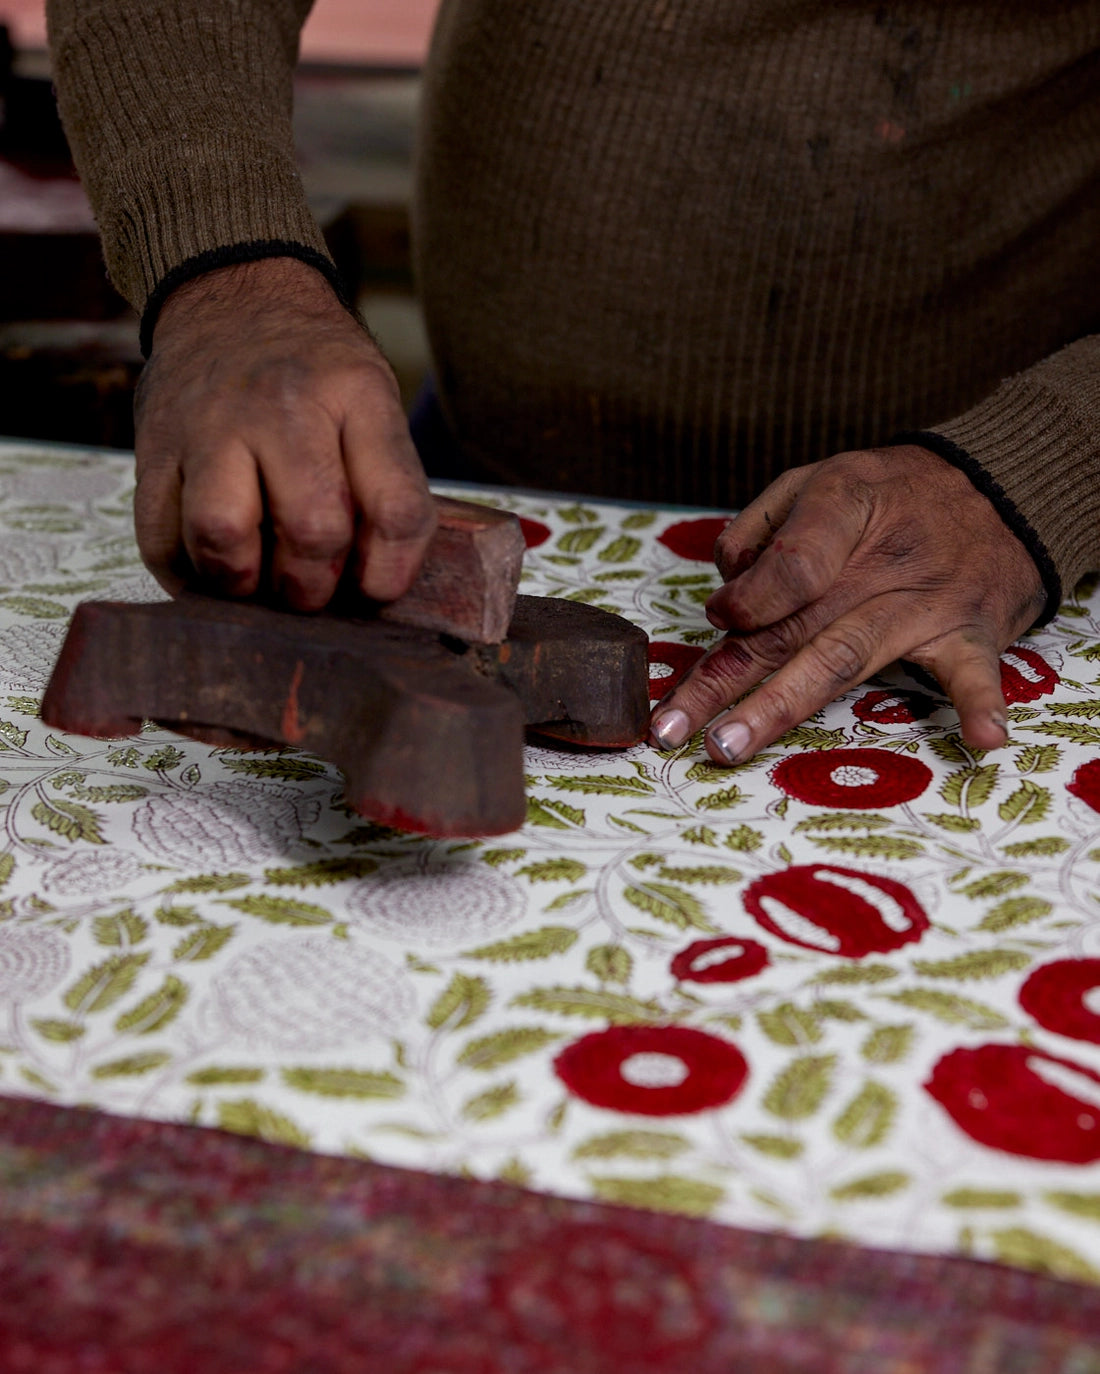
{"type": "Point", "coordinates": [667, 248]}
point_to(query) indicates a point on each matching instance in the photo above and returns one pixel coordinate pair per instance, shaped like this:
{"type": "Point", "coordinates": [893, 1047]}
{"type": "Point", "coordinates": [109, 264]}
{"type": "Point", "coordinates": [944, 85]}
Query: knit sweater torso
{"type": "Point", "coordinates": [667, 248]}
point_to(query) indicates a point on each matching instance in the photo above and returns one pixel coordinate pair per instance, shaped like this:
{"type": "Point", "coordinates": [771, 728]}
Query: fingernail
{"type": "Point", "coordinates": [731, 739]}
{"type": "Point", "coordinates": [670, 729]}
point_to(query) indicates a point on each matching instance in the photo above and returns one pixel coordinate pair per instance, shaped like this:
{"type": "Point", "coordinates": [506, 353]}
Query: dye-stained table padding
{"type": "Point", "coordinates": [851, 988]}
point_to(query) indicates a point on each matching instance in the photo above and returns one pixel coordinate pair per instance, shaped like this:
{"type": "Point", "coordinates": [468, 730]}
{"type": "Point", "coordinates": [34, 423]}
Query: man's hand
{"type": "Point", "coordinates": [839, 568]}
{"type": "Point", "coordinates": [271, 444]}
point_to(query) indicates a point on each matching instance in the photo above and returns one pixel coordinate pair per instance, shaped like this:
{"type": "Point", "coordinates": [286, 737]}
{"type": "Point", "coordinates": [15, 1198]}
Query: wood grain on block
{"type": "Point", "coordinates": [467, 584]}
{"type": "Point", "coordinates": [428, 730]}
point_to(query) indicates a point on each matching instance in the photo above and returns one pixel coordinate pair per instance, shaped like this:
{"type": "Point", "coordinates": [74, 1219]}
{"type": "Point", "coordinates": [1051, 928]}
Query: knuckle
{"type": "Point", "coordinates": [843, 656]}
{"type": "Point", "coordinates": [718, 678]}
{"type": "Point", "coordinates": [315, 533]}
{"type": "Point", "coordinates": [403, 515]}
{"type": "Point", "coordinates": [799, 569]}
{"type": "Point", "coordinates": [777, 643]}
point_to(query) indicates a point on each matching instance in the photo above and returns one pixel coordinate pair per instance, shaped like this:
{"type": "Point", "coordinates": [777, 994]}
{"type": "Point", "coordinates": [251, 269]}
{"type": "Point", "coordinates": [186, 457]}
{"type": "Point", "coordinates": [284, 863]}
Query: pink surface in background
{"type": "Point", "coordinates": [369, 31]}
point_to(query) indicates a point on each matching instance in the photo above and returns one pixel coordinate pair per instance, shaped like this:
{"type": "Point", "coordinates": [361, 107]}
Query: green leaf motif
{"type": "Point", "coordinates": [551, 813]}
{"type": "Point", "coordinates": [564, 899]}
{"type": "Point", "coordinates": [215, 1076]}
{"type": "Point", "coordinates": [1046, 846]}
{"type": "Point", "coordinates": [124, 928]}
{"type": "Point", "coordinates": [103, 984]}
{"type": "Point", "coordinates": [743, 839]}
{"type": "Point", "coordinates": [286, 769]}
{"type": "Point", "coordinates": [12, 735]}
{"type": "Point", "coordinates": [947, 820]}
{"type": "Point", "coordinates": [203, 943]}
{"type": "Point", "coordinates": [857, 974]}
{"type": "Point", "coordinates": [597, 1005]}
{"type": "Point", "coordinates": [843, 820]}
{"type": "Point", "coordinates": [870, 846]}
{"type": "Point", "coordinates": [7, 865]}
{"type": "Point", "coordinates": [620, 550]}
{"type": "Point", "coordinates": [1029, 1250]}
{"type": "Point", "coordinates": [1089, 709]}
{"type": "Point", "coordinates": [532, 944]}
{"type": "Point", "coordinates": [323, 872]}
{"type": "Point", "coordinates": [248, 1117]}
{"type": "Point", "coordinates": [666, 1193]}
{"type": "Point", "coordinates": [995, 884]}
{"type": "Point", "coordinates": [669, 903]}
{"type": "Point", "coordinates": [133, 1065]}
{"type": "Point", "coordinates": [581, 540]}
{"type": "Point", "coordinates": [950, 1008]}
{"type": "Point", "coordinates": [887, 1044]}
{"type": "Point", "coordinates": [70, 820]}
{"type": "Point", "coordinates": [839, 1011]}
{"type": "Point", "coordinates": [1015, 911]}
{"type": "Point", "coordinates": [706, 772]}
{"type": "Point", "coordinates": [1029, 804]}
{"type": "Point", "coordinates": [490, 1052]}
{"type": "Point", "coordinates": [59, 1032]}
{"type": "Point", "coordinates": [1088, 735]}
{"type": "Point", "coordinates": [602, 784]}
{"type": "Point", "coordinates": [209, 882]}
{"type": "Point", "coordinates": [632, 1145]}
{"type": "Point", "coordinates": [118, 792]}
{"type": "Point", "coordinates": [35, 606]}
{"type": "Point", "coordinates": [179, 916]}
{"type": "Point", "coordinates": [610, 963]}
{"type": "Point", "coordinates": [950, 749]}
{"type": "Point", "coordinates": [157, 1010]}
{"type": "Point", "coordinates": [798, 1091]}
{"type": "Point", "coordinates": [1038, 758]}
{"type": "Point", "coordinates": [700, 834]}
{"type": "Point", "coordinates": [713, 875]}
{"type": "Point", "coordinates": [164, 760]}
{"type": "Point", "coordinates": [813, 737]}
{"type": "Point", "coordinates": [720, 801]}
{"type": "Point", "coordinates": [867, 1119]}
{"type": "Point", "coordinates": [283, 911]}
{"type": "Point", "coordinates": [978, 963]}
{"type": "Point", "coordinates": [883, 1184]}
{"type": "Point", "coordinates": [789, 1025]}
{"type": "Point", "coordinates": [490, 1104]}
{"type": "Point", "coordinates": [970, 786]}
{"type": "Point", "coordinates": [496, 858]}
{"type": "Point", "coordinates": [639, 520]}
{"type": "Point", "coordinates": [554, 871]}
{"type": "Point", "coordinates": [981, 1197]}
{"type": "Point", "coordinates": [462, 1002]}
{"type": "Point", "coordinates": [1085, 1205]}
{"type": "Point", "coordinates": [360, 1084]}
{"type": "Point", "coordinates": [776, 1146]}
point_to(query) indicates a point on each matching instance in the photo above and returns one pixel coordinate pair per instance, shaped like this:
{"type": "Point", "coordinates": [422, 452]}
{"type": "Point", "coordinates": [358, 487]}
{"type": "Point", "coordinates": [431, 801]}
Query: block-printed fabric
{"type": "Point", "coordinates": [851, 988]}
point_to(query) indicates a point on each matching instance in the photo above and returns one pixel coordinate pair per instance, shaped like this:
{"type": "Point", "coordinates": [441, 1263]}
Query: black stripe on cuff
{"type": "Point", "coordinates": [252, 251]}
{"type": "Point", "coordinates": [1004, 505]}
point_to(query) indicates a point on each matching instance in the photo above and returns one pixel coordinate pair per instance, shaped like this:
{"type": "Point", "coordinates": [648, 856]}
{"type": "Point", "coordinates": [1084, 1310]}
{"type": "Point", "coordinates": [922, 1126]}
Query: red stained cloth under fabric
{"type": "Point", "coordinates": [134, 1247]}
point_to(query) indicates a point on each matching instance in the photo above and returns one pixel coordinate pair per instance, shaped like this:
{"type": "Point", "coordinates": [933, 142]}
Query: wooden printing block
{"type": "Point", "coordinates": [427, 727]}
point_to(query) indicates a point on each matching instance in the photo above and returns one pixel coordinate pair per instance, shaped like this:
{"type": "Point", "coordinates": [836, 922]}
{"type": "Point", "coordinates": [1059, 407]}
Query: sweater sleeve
{"type": "Point", "coordinates": [178, 113]}
{"type": "Point", "coordinates": [1033, 447]}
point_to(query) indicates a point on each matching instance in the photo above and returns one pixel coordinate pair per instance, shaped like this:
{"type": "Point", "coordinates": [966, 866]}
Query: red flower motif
{"type": "Point", "coordinates": [1054, 994]}
{"type": "Point", "coordinates": [1026, 675]}
{"type": "Point", "coordinates": [1022, 1101]}
{"type": "Point", "coordinates": [704, 961]}
{"type": "Point", "coordinates": [678, 657]}
{"type": "Point", "coordinates": [534, 532]}
{"type": "Point", "coordinates": [885, 707]}
{"type": "Point", "coordinates": [694, 538]}
{"type": "Point", "coordinates": [1086, 784]}
{"type": "Point", "coordinates": [653, 1070]}
{"type": "Point", "coordinates": [836, 910]}
{"type": "Point", "coordinates": [855, 779]}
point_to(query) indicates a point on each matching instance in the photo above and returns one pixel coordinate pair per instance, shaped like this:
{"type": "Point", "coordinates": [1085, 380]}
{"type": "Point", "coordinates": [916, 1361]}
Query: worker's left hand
{"type": "Point", "coordinates": [839, 568]}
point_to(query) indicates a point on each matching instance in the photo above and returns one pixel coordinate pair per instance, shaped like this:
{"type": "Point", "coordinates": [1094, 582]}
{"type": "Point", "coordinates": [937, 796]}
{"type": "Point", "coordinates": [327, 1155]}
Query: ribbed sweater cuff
{"type": "Point", "coordinates": [229, 189]}
{"type": "Point", "coordinates": [946, 448]}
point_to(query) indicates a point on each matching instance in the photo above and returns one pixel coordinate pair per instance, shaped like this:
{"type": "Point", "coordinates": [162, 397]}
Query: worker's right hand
{"type": "Point", "coordinates": [271, 444]}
